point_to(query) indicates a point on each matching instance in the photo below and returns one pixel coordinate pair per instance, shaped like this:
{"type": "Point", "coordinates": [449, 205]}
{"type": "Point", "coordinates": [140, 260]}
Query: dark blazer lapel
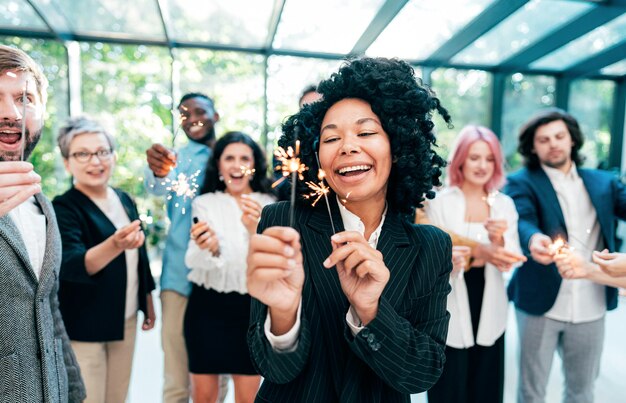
{"type": "Point", "coordinates": [50, 257]}
{"type": "Point", "coordinates": [399, 256]}
{"type": "Point", "coordinates": [12, 236]}
{"type": "Point", "coordinates": [547, 196]}
{"type": "Point", "coordinates": [600, 199]}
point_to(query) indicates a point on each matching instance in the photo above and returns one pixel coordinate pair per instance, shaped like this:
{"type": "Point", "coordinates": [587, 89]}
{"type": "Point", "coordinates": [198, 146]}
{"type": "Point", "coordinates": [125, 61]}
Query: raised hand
{"type": "Point", "coordinates": [18, 182]}
{"type": "Point", "coordinates": [129, 237]}
{"type": "Point", "coordinates": [251, 213]}
{"type": "Point", "coordinates": [275, 274]}
{"type": "Point", "coordinates": [496, 229]}
{"type": "Point", "coordinates": [204, 236]}
{"type": "Point", "coordinates": [161, 160]}
{"type": "Point", "coordinates": [613, 264]}
{"type": "Point", "coordinates": [362, 272]}
{"type": "Point", "coordinates": [572, 265]}
{"type": "Point", "coordinates": [540, 249]}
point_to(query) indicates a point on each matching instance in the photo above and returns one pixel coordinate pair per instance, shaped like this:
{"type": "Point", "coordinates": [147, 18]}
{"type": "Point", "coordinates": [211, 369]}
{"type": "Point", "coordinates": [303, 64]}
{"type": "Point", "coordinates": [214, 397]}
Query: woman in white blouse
{"type": "Point", "coordinates": [217, 316]}
{"type": "Point", "coordinates": [472, 206]}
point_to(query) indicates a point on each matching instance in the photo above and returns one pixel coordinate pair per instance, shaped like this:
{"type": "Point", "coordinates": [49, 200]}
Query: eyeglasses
{"type": "Point", "coordinates": [85, 156]}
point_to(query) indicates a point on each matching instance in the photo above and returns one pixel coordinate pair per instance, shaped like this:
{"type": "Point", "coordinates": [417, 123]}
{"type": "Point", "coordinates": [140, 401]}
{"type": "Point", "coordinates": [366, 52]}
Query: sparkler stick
{"type": "Point", "coordinates": [23, 143]}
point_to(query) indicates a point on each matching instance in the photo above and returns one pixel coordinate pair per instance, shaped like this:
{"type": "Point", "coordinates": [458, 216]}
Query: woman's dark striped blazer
{"type": "Point", "coordinates": [399, 353]}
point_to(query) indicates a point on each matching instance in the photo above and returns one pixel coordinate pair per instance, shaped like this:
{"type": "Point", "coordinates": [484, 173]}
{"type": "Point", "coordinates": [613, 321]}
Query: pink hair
{"type": "Point", "coordinates": [468, 136]}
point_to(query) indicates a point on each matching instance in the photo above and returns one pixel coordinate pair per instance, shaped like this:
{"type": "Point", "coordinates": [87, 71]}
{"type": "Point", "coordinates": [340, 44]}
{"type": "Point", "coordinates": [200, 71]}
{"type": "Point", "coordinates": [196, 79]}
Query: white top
{"type": "Point", "coordinates": [113, 208]}
{"type": "Point", "coordinates": [31, 222]}
{"type": "Point", "coordinates": [447, 210]}
{"type": "Point", "coordinates": [289, 341]}
{"type": "Point", "coordinates": [226, 272]}
{"type": "Point", "coordinates": [578, 300]}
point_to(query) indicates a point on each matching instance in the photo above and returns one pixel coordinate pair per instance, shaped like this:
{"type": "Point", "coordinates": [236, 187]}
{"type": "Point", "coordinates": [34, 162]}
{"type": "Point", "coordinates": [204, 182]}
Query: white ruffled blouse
{"type": "Point", "coordinates": [226, 272]}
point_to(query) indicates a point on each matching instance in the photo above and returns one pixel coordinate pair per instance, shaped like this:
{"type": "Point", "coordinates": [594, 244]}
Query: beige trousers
{"type": "Point", "coordinates": [175, 366]}
{"type": "Point", "coordinates": [106, 367]}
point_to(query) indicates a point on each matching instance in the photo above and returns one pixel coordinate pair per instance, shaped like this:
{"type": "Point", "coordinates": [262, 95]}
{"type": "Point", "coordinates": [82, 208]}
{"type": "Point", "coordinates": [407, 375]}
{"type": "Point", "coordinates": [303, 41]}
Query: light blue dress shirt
{"type": "Point", "coordinates": [191, 158]}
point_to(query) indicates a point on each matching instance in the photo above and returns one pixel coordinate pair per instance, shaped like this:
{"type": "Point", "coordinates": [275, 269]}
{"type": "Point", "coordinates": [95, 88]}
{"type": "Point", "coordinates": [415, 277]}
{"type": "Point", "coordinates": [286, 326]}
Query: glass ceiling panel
{"type": "Point", "coordinates": [584, 47]}
{"type": "Point", "coordinates": [422, 27]}
{"type": "Point", "coordinates": [137, 19]}
{"type": "Point", "coordinates": [225, 22]}
{"type": "Point", "coordinates": [53, 14]}
{"type": "Point", "coordinates": [616, 69]}
{"type": "Point", "coordinates": [520, 29]}
{"type": "Point", "coordinates": [19, 14]}
{"type": "Point", "coordinates": [308, 25]}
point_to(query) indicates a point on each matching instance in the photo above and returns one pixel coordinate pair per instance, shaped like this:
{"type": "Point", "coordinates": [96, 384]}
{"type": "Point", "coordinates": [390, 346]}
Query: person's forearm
{"type": "Point", "coordinates": [596, 275]}
{"type": "Point", "coordinates": [98, 257]}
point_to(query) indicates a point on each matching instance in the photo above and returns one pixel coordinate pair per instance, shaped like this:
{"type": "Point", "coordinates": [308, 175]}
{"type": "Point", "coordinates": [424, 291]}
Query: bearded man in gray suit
{"type": "Point", "coordinates": [36, 361]}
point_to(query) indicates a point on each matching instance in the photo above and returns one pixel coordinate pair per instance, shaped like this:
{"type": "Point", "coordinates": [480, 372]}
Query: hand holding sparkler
{"type": "Point", "coordinates": [496, 229]}
{"type": "Point", "coordinates": [542, 249]}
{"type": "Point", "coordinates": [204, 236]}
{"type": "Point", "coordinates": [128, 237]}
{"type": "Point", "coordinates": [18, 182]}
{"type": "Point", "coordinates": [161, 160]}
{"type": "Point", "coordinates": [251, 213]}
{"type": "Point", "coordinates": [572, 265]}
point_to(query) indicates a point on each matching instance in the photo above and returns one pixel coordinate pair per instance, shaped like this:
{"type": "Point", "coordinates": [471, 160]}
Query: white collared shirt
{"type": "Point", "coordinates": [578, 300]}
{"type": "Point", "coordinates": [447, 210]}
{"type": "Point", "coordinates": [289, 341]}
{"type": "Point", "coordinates": [31, 222]}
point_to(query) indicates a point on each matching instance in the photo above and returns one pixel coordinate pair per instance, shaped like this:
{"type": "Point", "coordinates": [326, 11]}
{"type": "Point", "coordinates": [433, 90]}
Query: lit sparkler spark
{"type": "Point", "coordinates": [558, 246]}
{"type": "Point", "coordinates": [491, 198]}
{"type": "Point", "coordinates": [289, 163]}
{"type": "Point", "coordinates": [183, 186]}
{"type": "Point", "coordinates": [318, 189]}
{"type": "Point", "coordinates": [247, 171]}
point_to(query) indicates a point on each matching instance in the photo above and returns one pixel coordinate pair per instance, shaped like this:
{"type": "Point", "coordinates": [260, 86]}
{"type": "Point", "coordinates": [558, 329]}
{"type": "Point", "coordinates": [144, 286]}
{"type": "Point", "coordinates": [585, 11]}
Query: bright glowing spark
{"type": "Point", "coordinates": [558, 246]}
{"type": "Point", "coordinates": [183, 187]}
{"type": "Point", "coordinates": [491, 198]}
{"type": "Point", "coordinates": [318, 189]}
{"type": "Point", "coordinates": [289, 163]}
{"type": "Point", "coordinates": [247, 171]}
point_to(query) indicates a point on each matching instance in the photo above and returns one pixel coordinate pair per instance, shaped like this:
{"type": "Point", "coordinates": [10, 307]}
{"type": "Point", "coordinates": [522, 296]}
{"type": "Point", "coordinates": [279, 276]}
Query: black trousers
{"type": "Point", "coordinates": [475, 374]}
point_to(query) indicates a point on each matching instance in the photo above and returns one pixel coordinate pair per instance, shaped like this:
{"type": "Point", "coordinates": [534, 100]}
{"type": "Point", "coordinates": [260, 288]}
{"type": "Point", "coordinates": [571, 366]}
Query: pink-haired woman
{"type": "Point", "coordinates": [472, 206]}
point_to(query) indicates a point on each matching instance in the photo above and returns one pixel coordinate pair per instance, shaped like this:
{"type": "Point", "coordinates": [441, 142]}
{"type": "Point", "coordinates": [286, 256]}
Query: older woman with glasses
{"type": "Point", "coordinates": [105, 276]}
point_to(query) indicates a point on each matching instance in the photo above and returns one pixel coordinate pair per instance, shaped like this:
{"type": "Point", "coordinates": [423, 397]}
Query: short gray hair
{"type": "Point", "coordinates": [75, 127]}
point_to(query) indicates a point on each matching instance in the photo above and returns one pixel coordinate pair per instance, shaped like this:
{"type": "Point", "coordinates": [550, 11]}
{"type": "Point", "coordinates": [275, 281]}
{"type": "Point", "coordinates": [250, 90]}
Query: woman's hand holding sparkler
{"type": "Point", "coordinates": [362, 272]}
{"type": "Point", "coordinates": [251, 213]}
{"type": "Point", "coordinates": [539, 247]}
{"type": "Point", "coordinates": [161, 160]}
{"type": "Point", "coordinates": [276, 275]}
{"type": "Point", "coordinates": [129, 236]}
{"type": "Point", "coordinates": [204, 236]}
{"type": "Point", "coordinates": [18, 182]}
{"type": "Point", "coordinates": [613, 264]}
{"type": "Point", "coordinates": [496, 229]}
{"type": "Point", "coordinates": [572, 265]}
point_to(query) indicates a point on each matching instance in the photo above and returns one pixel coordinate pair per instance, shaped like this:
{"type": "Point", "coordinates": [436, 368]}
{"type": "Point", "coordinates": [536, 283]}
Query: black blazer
{"type": "Point", "coordinates": [93, 307]}
{"type": "Point", "coordinates": [534, 287]}
{"type": "Point", "coordinates": [400, 352]}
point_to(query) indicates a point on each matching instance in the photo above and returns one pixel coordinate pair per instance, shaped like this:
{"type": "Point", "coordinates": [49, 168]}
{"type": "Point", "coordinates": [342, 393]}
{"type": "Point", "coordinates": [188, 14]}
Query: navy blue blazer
{"type": "Point", "coordinates": [534, 287]}
{"type": "Point", "coordinates": [400, 352]}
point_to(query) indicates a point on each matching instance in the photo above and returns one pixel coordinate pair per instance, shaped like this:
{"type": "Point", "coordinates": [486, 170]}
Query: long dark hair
{"type": "Point", "coordinates": [259, 183]}
{"type": "Point", "coordinates": [545, 116]}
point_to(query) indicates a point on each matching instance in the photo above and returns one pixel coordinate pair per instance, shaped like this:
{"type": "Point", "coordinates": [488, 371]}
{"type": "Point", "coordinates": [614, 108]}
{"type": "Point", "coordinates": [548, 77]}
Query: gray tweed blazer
{"type": "Point", "coordinates": [37, 363]}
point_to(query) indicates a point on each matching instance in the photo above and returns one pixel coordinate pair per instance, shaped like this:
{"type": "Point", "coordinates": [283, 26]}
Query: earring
{"type": "Point", "coordinates": [221, 178]}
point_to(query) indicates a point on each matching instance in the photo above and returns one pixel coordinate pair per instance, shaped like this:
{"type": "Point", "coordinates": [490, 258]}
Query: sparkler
{"type": "Point", "coordinates": [558, 246]}
{"type": "Point", "coordinates": [319, 190]}
{"type": "Point", "coordinates": [23, 143]}
{"type": "Point", "coordinates": [183, 186]}
{"type": "Point", "coordinates": [290, 164]}
{"type": "Point", "coordinates": [247, 171]}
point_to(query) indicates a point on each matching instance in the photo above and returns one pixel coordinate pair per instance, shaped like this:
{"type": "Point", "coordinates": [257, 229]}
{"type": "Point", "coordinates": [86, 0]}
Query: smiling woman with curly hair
{"type": "Point", "coordinates": [358, 315]}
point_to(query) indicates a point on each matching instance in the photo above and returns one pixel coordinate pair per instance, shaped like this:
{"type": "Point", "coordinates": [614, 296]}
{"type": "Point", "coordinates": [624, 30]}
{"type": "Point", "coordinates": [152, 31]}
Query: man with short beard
{"type": "Point", "coordinates": [36, 360]}
{"type": "Point", "coordinates": [198, 119]}
{"type": "Point", "coordinates": [556, 198]}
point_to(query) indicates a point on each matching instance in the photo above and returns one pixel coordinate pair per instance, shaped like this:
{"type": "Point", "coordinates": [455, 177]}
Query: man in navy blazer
{"type": "Point", "coordinates": [555, 198]}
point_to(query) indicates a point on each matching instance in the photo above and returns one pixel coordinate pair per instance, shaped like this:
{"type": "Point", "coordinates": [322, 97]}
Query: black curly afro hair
{"type": "Point", "coordinates": [404, 106]}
